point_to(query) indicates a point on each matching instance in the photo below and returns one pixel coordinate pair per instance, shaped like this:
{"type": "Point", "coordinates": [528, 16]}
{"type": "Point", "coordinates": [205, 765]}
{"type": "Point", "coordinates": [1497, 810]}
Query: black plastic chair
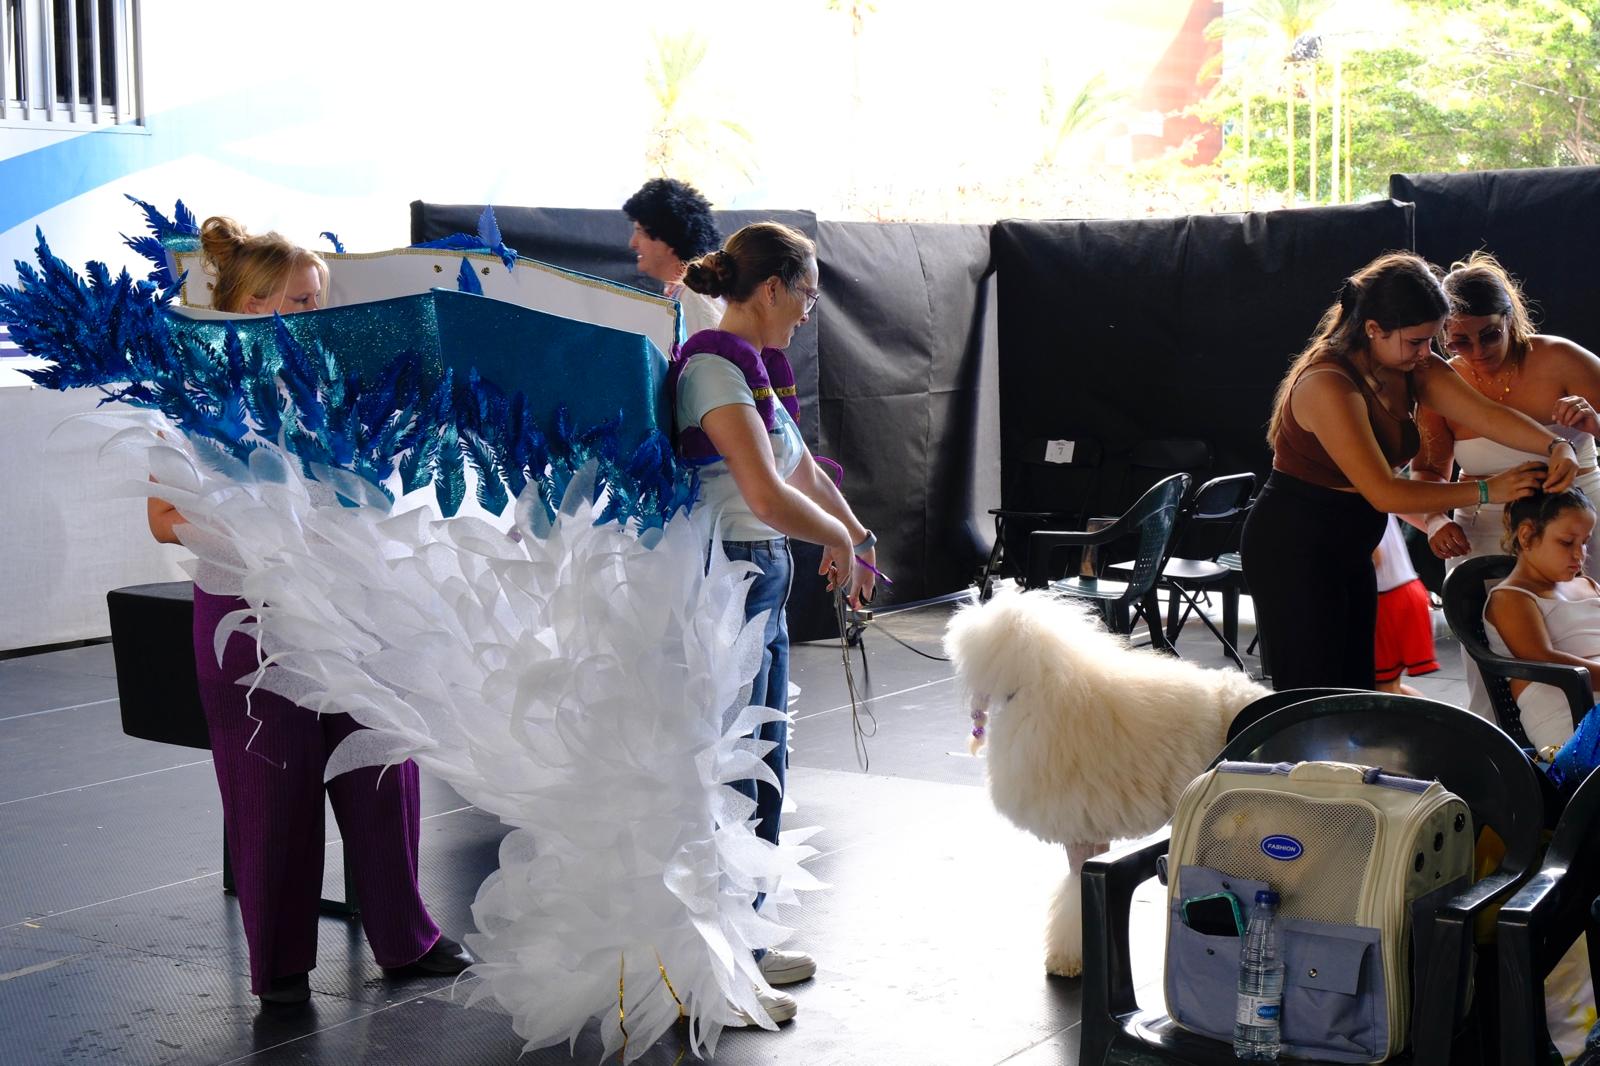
{"type": "Point", "coordinates": [1402, 734]}
{"type": "Point", "coordinates": [1277, 701]}
{"type": "Point", "coordinates": [1466, 590]}
{"type": "Point", "coordinates": [1209, 525]}
{"type": "Point", "coordinates": [1056, 483]}
{"type": "Point", "coordinates": [1543, 920]}
{"type": "Point", "coordinates": [1150, 523]}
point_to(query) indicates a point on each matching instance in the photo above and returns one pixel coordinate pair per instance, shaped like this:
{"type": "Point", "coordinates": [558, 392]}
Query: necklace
{"type": "Point", "coordinates": [1487, 389]}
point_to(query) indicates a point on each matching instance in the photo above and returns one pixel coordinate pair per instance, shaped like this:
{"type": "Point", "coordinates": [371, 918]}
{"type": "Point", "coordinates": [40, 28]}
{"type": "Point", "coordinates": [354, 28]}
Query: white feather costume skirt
{"type": "Point", "coordinates": [570, 677]}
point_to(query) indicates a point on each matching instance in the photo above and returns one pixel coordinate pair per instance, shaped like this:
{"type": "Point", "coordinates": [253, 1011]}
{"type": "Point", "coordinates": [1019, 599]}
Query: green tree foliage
{"type": "Point", "coordinates": [1458, 85]}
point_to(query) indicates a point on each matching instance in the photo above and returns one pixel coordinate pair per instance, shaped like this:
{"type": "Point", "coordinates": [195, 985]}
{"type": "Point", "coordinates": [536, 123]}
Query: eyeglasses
{"type": "Point", "coordinates": [1487, 339]}
{"type": "Point", "coordinates": [811, 298]}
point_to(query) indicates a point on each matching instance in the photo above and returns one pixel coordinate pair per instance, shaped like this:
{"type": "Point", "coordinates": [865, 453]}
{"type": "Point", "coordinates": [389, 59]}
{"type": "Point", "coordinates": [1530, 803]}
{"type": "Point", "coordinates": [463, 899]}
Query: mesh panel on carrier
{"type": "Point", "coordinates": [1326, 883]}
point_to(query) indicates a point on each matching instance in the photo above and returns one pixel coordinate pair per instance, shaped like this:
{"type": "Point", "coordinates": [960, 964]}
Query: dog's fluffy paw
{"type": "Point", "coordinates": [1062, 965]}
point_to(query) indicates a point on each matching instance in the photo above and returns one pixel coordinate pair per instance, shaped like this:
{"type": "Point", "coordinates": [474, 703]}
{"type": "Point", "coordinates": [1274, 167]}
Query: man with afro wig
{"type": "Point", "coordinates": [672, 225]}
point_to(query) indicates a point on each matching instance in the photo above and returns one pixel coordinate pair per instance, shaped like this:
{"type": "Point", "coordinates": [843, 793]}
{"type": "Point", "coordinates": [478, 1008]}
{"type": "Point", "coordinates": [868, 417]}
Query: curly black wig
{"type": "Point", "coordinates": [675, 212]}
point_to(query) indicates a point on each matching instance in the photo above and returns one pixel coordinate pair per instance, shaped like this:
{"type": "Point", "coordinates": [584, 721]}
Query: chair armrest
{"type": "Point", "coordinates": [1042, 543]}
{"type": "Point", "coordinates": [1440, 995]}
{"type": "Point", "coordinates": [1525, 957]}
{"type": "Point", "coordinates": [1108, 884]}
{"type": "Point", "coordinates": [1573, 681]}
{"type": "Point", "coordinates": [1006, 512]}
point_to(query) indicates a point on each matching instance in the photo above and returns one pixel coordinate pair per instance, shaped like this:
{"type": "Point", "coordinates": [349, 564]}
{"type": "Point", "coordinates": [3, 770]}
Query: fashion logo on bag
{"type": "Point", "coordinates": [1283, 848]}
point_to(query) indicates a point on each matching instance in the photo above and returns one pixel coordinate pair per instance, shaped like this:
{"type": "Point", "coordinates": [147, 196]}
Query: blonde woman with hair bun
{"type": "Point", "coordinates": [260, 275]}
{"type": "Point", "coordinates": [269, 754]}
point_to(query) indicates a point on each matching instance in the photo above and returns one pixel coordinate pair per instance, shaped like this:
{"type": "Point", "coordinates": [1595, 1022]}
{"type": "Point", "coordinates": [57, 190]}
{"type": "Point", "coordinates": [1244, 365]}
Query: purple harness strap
{"type": "Point", "coordinates": [767, 372]}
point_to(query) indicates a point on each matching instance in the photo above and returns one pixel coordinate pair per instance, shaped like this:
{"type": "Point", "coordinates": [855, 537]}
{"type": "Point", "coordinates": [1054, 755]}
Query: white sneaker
{"type": "Point", "coordinates": [786, 967]}
{"type": "Point", "coordinates": [780, 1007]}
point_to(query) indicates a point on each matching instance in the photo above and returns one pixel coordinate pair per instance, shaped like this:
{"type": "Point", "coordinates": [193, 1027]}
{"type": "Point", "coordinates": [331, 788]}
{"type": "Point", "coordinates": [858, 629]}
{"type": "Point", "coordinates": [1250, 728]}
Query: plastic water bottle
{"type": "Point", "coordinates": [1257, 1019]}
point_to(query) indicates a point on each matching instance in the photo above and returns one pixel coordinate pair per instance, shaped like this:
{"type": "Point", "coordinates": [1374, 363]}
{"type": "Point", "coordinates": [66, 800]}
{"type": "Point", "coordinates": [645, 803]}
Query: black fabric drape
{"type": "Point", "coordinates": [1543, 224]}
{"type": "Point", "coordinates": [1122, 332]}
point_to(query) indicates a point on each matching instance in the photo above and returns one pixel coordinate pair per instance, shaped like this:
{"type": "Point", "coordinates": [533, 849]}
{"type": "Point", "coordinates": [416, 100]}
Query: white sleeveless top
{"type": "Point", "coordinates": [1481, 457]}
{"type": "Point", "coordinates": [1394, 561]}
{"type": "Point", "coordinates": [1574, 627]}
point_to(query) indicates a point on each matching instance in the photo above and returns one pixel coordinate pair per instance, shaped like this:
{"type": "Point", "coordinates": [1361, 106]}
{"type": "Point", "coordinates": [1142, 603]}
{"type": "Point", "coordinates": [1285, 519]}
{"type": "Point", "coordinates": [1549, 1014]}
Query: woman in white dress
{"type": "Point", "coordinates": [1490, 340]}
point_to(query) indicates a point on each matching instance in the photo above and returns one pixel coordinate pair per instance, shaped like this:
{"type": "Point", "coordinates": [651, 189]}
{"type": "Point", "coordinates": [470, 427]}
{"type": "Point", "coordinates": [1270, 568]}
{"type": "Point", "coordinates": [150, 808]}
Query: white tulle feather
{"type": "Point", "coordinates": [588, 686]}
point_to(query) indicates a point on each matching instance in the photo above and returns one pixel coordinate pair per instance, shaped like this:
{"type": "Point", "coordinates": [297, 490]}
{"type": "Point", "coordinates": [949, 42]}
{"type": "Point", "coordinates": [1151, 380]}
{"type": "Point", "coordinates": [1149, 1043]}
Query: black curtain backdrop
{"type": "Point", "coordinates": [1121, 333]}
{"type": "Point", "coordinates": [1543, 224]}
{"type": "Point", "coordinates": [889, 370]}
{"type": "Point", "coordinates": [902, 360]}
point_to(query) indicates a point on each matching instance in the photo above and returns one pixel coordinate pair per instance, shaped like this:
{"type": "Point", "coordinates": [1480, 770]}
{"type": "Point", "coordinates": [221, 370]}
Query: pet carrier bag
{"type": "Point", "coordinates": [1351, 851]}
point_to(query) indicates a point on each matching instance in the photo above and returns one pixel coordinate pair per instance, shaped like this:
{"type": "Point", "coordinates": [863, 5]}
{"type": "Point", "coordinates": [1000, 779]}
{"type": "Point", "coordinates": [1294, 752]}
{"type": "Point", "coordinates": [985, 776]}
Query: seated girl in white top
{"type": "Point", "coordinates": [1547, 609]}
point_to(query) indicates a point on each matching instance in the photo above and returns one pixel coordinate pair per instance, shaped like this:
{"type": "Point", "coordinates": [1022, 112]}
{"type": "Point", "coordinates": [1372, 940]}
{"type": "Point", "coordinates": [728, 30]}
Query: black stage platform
{"type": "Point", "coordinates": [117, 944]}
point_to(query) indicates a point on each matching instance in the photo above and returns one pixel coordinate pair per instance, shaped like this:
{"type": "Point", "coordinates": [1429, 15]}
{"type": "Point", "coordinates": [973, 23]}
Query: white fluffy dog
{"type": "Point", "coordinates": [1089, 740]}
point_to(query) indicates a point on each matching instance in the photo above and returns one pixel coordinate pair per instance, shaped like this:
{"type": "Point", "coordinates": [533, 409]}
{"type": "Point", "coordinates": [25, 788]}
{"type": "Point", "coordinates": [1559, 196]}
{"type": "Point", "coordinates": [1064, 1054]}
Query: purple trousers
{"type": "Point", "coordinates": [272, 814]}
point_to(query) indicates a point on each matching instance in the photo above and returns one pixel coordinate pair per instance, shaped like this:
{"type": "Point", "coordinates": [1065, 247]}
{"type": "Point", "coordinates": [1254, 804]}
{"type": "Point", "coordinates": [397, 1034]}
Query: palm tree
{"type": "Point", "coordinates": [1281, 23]}
{"type": "Point", "coordinates": [1085, 109]}
{"type": "Point", "coordinates": [683, 140]}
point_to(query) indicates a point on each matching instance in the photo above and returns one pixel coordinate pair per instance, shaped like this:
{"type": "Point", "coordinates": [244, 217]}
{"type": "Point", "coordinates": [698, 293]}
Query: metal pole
{"type": "Point", "coordinates": [48, 18]}
{"type": "Point", "coordinates": [136, 58]}
{"type": "Point", "coordinates": [94, 57]}
{"type": "Point", "coordinates": [72, 59]}
{"type": "Point", "coordinates": [1338, 126]}
{"type": "Point", "coordinates": [5, 57]}
{"type": "Point", "coordinates": [24, 72]}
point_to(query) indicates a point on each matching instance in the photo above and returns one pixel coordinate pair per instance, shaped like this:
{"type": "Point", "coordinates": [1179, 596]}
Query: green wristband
{"type": "Point", "coordinates": [1483, 492]}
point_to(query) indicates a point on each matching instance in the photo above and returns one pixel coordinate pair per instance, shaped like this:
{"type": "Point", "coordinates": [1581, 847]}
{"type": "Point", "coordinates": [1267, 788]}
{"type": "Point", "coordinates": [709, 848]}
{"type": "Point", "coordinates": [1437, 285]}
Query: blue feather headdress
{"type": "Point", "coordinates": [369, 388]}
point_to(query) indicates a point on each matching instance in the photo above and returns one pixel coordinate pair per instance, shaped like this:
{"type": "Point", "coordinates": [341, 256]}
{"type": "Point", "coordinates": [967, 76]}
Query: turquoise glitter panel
{"type": "Point", "coordinates": [600, 374]}
{"type": "Point", "coordinates": [597, 372]}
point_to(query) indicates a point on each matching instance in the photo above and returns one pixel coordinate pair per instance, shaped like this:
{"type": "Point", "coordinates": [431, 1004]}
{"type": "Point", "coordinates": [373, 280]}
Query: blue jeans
{"type": "Point", "coordinates": [769, 591]}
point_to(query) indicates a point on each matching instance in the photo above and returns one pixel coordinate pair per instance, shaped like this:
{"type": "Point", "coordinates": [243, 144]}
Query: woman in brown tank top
{"type": "Point", "coordinates": [1343, 421]}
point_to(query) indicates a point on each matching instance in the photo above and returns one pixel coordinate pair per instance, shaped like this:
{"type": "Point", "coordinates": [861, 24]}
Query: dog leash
{"type": "Point", "coordinates": [863, 724]}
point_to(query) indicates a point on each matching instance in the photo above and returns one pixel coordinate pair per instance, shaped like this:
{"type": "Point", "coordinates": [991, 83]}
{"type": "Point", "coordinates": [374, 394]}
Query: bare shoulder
{"type": "Point", "coordinates": [1561, 352]}
{"type": "Point", "coordinates": [1510, 603]}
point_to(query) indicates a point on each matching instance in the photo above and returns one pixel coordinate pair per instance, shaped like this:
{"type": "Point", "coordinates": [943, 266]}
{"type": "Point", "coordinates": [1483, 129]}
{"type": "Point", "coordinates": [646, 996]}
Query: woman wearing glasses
{"type": "Point", "coordinates": [1343, 422]}
{"type": "Point", "coordinates": [734, 410]}
{"type": "Point", "coordinates": [1491, 344]}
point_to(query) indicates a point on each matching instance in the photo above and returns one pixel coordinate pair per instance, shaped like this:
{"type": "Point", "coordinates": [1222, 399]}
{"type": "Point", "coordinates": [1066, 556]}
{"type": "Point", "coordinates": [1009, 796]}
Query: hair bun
{"type": "Point", "coordinates": [220, 238]}
{"type": "Point", "coordinates": [713, 274]}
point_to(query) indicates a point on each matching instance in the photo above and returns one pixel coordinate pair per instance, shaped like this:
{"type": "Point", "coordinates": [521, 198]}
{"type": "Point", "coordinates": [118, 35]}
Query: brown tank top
{"type": "Point", "coordinates": [1297, 451]}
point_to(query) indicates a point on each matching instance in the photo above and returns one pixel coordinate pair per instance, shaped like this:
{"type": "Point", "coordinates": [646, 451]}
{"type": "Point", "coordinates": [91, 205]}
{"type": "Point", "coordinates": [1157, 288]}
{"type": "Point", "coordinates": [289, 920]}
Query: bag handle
{"type": "Point", "coordinates": [1334, 773]}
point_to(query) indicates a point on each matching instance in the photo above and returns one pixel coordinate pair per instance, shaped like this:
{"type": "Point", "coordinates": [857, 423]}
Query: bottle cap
{"type": "Point", "coordinates": [1266, 895]}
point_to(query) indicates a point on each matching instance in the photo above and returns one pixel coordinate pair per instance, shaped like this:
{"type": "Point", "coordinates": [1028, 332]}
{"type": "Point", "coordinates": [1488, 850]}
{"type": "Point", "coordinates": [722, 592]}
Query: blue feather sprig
{"type": "Point", "coordinates": [487, 239]}
{"type": "Point", "coordinates": [333, 238]}
{"type": "Point", "coordinates": [116, 334]}
{"type": "Point", "coordinates": [467, 278]}
{"type": "Point", "coordinates": [180, 233]}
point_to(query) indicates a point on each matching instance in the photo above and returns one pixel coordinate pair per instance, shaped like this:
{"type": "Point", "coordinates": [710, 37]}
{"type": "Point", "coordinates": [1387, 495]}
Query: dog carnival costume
{"type": "Point", "coordinates": [554, 645]}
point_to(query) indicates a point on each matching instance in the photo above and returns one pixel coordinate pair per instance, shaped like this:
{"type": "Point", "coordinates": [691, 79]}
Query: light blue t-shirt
{"type": "Point", "coordinates": [708, 382]}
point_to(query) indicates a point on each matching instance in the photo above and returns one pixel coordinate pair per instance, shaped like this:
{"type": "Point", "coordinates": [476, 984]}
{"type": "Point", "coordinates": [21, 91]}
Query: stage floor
{"type": "Point", "coordinates": [117, 944]}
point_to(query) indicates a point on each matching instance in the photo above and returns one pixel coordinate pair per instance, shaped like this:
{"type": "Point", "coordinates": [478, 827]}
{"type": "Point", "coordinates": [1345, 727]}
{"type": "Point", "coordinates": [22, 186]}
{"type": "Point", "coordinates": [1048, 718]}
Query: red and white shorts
{"type": "Point", "coordinates": [1404, 634]}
